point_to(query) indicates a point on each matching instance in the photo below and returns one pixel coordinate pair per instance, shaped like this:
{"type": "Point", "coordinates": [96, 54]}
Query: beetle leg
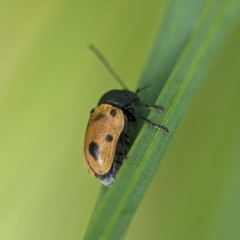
{"type": "Point", "coordinates": [163, 128]}
{"type": "Point", "coordinates": [141, 105]}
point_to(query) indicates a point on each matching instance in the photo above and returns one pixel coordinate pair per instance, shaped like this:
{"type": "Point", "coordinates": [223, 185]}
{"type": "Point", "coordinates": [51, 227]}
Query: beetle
{"type": "Point", "coordinates": [109, 129]}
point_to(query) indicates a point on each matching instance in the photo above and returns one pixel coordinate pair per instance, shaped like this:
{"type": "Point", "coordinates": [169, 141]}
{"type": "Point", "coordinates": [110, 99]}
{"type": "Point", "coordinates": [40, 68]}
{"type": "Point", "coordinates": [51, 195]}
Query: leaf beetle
{"type": "Point", "coordinates": [109, 129]}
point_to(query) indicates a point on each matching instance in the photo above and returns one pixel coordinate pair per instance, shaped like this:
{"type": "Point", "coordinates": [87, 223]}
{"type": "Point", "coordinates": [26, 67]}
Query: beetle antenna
{"type": "Point", "coordinates": [142, 88]}
{"type": "Point", "coordinates": [107, 65]}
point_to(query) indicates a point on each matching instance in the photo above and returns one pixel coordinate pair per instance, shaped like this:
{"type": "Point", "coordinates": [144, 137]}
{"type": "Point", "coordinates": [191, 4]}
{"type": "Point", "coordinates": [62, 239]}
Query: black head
{"type": "Point", "coordinates": [119, 98]}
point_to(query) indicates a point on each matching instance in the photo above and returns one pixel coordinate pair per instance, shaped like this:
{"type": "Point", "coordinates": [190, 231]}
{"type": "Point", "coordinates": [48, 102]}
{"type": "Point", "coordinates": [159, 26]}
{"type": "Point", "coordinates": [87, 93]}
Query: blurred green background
{"type": "Point", "coordinates": [49, 81]}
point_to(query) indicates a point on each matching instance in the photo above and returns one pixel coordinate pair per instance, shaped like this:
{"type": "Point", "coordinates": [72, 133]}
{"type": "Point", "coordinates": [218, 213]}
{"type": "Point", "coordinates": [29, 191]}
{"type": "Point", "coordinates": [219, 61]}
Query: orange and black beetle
{"type": "Point", "coordinates": [109, 130]}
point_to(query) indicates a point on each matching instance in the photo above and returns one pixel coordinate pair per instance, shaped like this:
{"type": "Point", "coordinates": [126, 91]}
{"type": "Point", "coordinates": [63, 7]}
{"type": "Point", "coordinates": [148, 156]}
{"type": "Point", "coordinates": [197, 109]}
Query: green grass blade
{"type": "Point", "coordinates": [113, 214]}
{"type": "Point", "coordinates": [174, 32]}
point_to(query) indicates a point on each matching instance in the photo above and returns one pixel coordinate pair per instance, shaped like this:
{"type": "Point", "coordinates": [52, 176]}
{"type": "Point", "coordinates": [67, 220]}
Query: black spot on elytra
{"type": "Point", "coordinates": [109, 138]}
{"type": "Point", "coordinates": [113, 112]}
{"type": "Point", "coordinates": [94, 150]}
{"type": "Point", "coordinates": [99, 116]}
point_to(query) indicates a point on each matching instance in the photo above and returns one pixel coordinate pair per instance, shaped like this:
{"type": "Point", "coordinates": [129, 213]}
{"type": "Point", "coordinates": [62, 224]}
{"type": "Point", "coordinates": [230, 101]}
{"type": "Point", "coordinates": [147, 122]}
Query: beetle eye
{"type": "Point", "coordinates": [92, 111]}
